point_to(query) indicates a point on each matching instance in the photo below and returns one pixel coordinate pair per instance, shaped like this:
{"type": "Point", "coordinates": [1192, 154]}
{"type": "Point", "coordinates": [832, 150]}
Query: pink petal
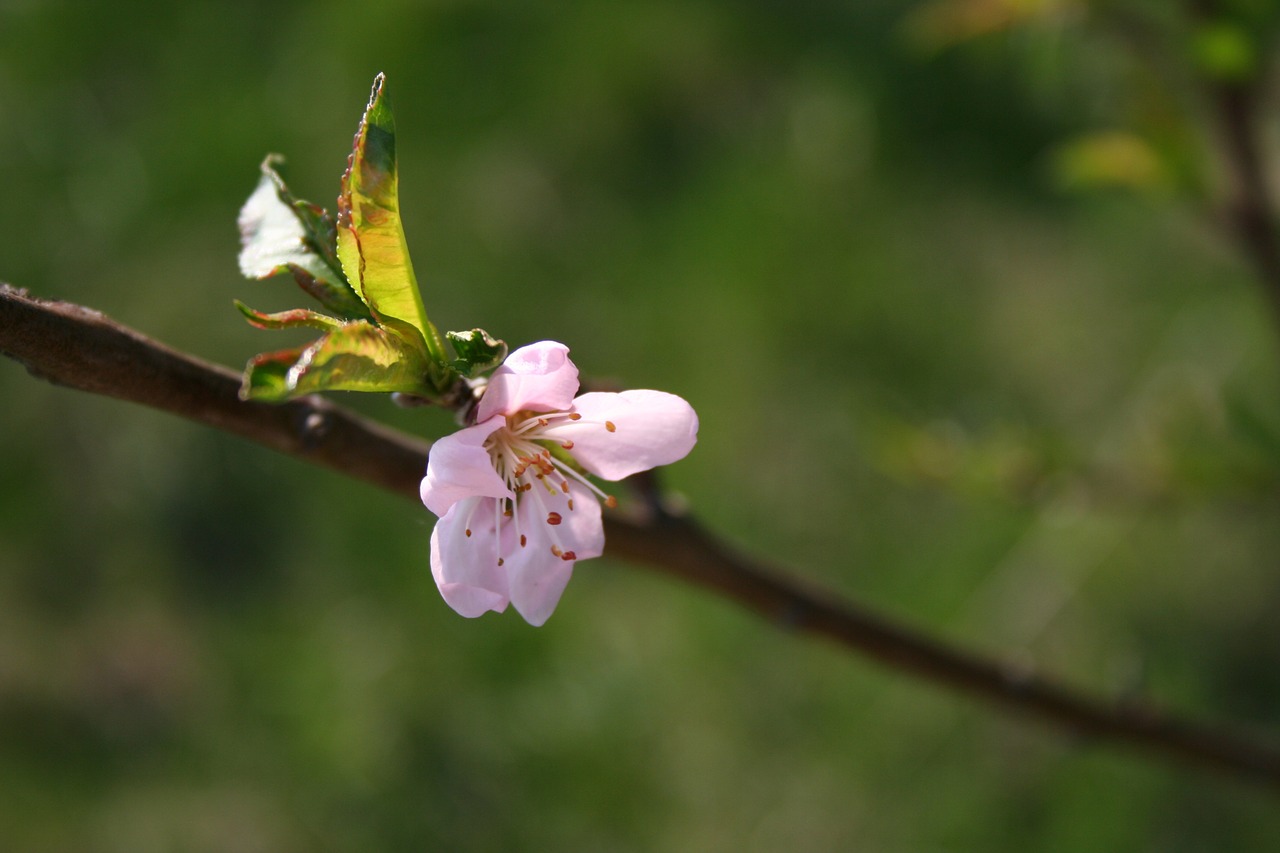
{"type": "Point", "coordinates": [536, 575]}
{"type": "Point", "coordinates": [650, 428]}
{"type": "Point", "coordinates": [459, 467]}
{"type": "Point", "coordinates": [466, 567]}
{"type": "Point", "coordinates": [538, 377]}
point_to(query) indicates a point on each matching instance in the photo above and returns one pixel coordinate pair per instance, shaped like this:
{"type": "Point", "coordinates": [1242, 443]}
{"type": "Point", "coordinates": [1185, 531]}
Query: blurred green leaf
{"type": "Point", "coordinates": [477, 351]}
{"type": "Point", "coordinates": [358, 356]}
{"type": "Point", "coordinates": [279, 233]}
{"type": "Point", "coordinates": [371, 242]}
{"type": "Point", "coordinates": [941, 23]}
{"type": "Point", "coordinates": [1110, 158]}
{"type": "Point", "coordinates": [1224, 51]}
{"type": "Point", "coordinates": [1260, 431]}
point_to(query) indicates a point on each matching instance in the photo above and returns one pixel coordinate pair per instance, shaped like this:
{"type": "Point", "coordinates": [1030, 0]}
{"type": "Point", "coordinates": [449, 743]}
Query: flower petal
{"type": "Point", "coordinates": [650, 428]}
{"type": "Point", "coordinates": [538, 377]}
{"type": "Point", "coordinates": [537, 574]}
{"type": "Point", "coordinates": [459, 467]}
{"type": "Point", "coordinates": [466, 566]}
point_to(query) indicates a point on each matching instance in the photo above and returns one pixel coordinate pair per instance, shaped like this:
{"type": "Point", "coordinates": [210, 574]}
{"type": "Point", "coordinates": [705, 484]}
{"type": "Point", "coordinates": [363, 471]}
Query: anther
{"type": "Point", "coordinates": [570, 504]}
{"type": "Point", "coordinates": [555, 549]}
{"type": "Point", "coordinates": [501, 561]}
{"type": "Point", "coordinates": [568, 445]}
{"type": "Point", "coordinates": [553, 518]}
{"type": "Point", "coordinates": [468, 532]}
{"type": "Point", "coordinates": [568, 555]}
{"type": "Point", "coordinates": [610, 501]}
{"type": "Point", "coordinates": [542, 421]}
{"type": "Point", "coordinates": [574, 416]}
{"type": "Point", "coordinates": [564, 486]}
{"type": "Point", "coordinates": [523, 540]}
{"type": "Point", "coordinates": [610, 427]}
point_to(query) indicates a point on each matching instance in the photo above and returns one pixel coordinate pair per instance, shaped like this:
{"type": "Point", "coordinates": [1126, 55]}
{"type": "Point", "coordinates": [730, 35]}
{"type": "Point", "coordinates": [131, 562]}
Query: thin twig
{"type": "Point", "coordinates": [79, 348]}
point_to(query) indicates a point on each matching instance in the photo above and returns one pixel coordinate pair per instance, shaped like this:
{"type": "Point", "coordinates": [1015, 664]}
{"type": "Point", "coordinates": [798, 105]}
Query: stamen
{"type": "Point", "coordinates": [553, 518]}
{"type": "Point", "coordinates": [567, 470]}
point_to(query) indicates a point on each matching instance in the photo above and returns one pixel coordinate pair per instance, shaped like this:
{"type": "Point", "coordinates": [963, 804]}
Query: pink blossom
{"type": "Point", "coordinates": [516, 510]}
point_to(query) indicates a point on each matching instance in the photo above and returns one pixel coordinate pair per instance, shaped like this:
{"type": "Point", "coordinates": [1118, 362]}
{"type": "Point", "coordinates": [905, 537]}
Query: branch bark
{"type": "Point", "coordinates": [1235, 111]}
{"type": "Point", "coordinates": [79, 348]}
{"type": "Point", "coordinates": [1251, 215]}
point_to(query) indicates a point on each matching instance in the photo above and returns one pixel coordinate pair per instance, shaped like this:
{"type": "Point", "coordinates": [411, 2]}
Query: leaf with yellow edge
{"type": "Point", "coordinates": [358, 356]}
{"type": "Point", "coordinates": [371, 242]}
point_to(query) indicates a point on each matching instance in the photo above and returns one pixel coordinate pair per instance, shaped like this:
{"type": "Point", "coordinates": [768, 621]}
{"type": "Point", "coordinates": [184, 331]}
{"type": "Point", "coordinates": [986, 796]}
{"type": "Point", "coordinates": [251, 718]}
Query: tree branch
{"type": "Point", "coordinates": [79, 348]}
{"type": "Point", "coordinates": [1250, 211]}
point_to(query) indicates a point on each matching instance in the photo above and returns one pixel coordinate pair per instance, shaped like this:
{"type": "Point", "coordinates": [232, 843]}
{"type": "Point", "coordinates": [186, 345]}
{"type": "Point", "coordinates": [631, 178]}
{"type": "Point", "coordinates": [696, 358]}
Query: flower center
{"type": "Point", "coordinates": [539, 468]}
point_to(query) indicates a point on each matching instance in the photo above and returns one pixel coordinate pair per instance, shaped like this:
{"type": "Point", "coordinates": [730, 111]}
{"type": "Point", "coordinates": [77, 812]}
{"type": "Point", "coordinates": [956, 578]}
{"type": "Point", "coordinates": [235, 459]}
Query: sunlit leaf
{"type": "Point", "coordinates": [358, 356]}
{"type": "Point", "coordinates": [371, 242]}
{"type": "Point", "coordinates": [279, 234]}
{"type": "Point", "coordinates": [477, 351]}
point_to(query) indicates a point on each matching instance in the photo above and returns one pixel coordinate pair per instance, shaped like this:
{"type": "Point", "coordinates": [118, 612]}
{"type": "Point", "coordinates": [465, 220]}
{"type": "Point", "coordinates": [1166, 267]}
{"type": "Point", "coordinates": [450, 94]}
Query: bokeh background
{"type": "Point", "coordinates": [938, 368]}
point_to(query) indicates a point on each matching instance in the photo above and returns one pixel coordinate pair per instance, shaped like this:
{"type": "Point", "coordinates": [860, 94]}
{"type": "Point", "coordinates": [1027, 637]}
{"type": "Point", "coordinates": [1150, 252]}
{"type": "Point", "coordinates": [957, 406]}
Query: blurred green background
{"type": "Point", "coordinates": [1041, 424]}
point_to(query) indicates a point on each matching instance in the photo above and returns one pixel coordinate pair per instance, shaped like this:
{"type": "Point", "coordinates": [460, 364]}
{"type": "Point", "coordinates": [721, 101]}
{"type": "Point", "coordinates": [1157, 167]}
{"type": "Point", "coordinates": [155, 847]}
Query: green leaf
{"type": "Point", "coordinates": [1109, 158]}
{"type": "Point", "coordinates": [266, 376]}
{"type": "Point", "coordinates": [477, 351]}
{"type": "Point", "coordinates": [371, 242]}
{"type": "Point", "coordinates": [1225, 51]}
{"type": "Point", "coordinates": [289, 319]}
{"type": "Point", "coordinates": [357, 356]}
{"type": "Point", "coordinates": [279, 233]}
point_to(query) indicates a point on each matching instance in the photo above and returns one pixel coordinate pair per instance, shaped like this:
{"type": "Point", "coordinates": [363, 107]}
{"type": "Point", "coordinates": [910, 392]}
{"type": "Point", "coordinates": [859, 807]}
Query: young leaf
{"type": "Point", "coordinates": [279, 233]}
{"type": "Point", "coordinates": [290, 319]}
{"type": "Point", "coordinates": [358, 356]}
{"type": "Point", "coordinates": [371, 242]}
{"type": "Point", "coordinates": [266, 376]}
{"type": "Point", "coordinates": [477, 351]}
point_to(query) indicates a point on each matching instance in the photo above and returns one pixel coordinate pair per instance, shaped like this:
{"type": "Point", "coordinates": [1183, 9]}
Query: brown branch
{"type": "Point", "coordinates": [1250, 213]}
{"type": "Point", "coordinates": [79, 348]}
